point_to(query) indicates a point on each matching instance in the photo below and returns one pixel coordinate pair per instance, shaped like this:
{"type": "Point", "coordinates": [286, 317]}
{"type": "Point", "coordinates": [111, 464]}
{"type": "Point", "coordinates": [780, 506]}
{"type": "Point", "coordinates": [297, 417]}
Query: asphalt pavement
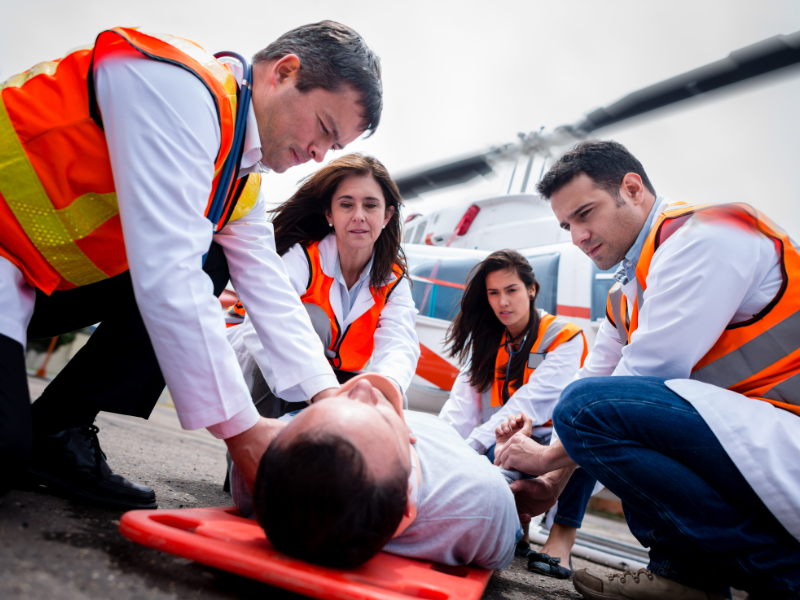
{"type": "Point", "coordinates": [54, 548]}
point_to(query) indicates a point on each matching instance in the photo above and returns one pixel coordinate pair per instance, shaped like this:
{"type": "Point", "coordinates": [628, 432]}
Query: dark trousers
{"type": "Point", "coordinates": [116, 371]}
{"type": "Point", "coordinates": [682, 495]}
{"type": "Point", "coordinates": [270, 406]}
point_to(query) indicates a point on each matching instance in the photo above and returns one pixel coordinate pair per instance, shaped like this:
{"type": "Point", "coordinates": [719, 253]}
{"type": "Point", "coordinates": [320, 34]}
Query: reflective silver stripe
{"type": "Point", "coordinates": [639, 295]}
{"type": "Point", "coordinates": [552, 332]}
{"type": "Point", "coordinates": [776, 343]}
{"type": "Point", "coordinates": [615, 297]}
{"type": "Point", "coordinates": [787, 391]}
{"type": "Point", "coordinates": [537, 358]}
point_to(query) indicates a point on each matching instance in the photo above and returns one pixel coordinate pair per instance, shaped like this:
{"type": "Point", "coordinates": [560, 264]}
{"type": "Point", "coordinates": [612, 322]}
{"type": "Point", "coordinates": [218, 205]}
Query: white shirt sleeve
{"type": "Point", "coordinates": [297, 266]}
{"type": "Point", "coordinates": [463, 408]}
{"type": "Point", "coordinates": [604, 355]}
{"type": "Point", "coordinates": [396, 344]}
{"type": "Point", "coordinates": [698, 280]}
{"type": "Point", "coordinates": [163, 136]}
{"type": "Point", "coordinates": [538, 397]}
{"type": "Point", "coordinates": [277, 330]}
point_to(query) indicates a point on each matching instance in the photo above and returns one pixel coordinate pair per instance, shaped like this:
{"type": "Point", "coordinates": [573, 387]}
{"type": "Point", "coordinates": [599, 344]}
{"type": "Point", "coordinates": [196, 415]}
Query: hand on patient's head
{"type": "Point", "coordinates": [333, 487]}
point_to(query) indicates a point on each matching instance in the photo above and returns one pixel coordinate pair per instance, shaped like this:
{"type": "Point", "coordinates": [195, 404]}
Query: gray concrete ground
{"type": "Point", "coordinates": [52, 548]}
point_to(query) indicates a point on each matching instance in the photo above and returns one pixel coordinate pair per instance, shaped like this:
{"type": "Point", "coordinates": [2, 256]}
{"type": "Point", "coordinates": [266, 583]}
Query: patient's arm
{"type": "Point", "coordinates": [520, 424]}
{"type": "Point", "coordinates": [535, 496]}
{"type": "Point", "coordinates": [519, 452]}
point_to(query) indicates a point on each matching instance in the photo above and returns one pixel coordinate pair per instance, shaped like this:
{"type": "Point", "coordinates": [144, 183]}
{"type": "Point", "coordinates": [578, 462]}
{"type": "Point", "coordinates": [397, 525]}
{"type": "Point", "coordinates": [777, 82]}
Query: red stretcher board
{"type": "Point", "coordinates": [223, 539]}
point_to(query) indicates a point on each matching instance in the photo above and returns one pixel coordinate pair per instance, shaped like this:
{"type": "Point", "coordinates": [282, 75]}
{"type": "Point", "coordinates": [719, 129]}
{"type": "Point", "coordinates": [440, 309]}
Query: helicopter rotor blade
{"type": "Point", "coordinates": [754, 60]}
{"type": "Point", "coordinates": [451, 173]}
{"type": "Point", "coordinates": [751, 61]}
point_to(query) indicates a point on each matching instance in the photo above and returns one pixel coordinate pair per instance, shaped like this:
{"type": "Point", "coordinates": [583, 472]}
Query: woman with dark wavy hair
{"type": "Point", "coordinates": [516, 358]}
{"type": "Point", "coordinates": [339, 236]}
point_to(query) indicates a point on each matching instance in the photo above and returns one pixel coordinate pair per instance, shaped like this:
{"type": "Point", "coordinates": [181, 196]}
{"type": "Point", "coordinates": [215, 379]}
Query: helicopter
{"type": "Point", "coordinates": [443, 245]}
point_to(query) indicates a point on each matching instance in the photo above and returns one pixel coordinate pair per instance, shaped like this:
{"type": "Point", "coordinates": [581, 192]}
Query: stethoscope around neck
{"type": "Point", "coordinates": [230, 168]}
{"type": "Point", "coordinates": [511, 354]}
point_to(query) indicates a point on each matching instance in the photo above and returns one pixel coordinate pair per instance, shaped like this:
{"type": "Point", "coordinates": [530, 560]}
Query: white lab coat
{"type": "Point", "coordinates": [473, 416]}
{"type": "Point", "coordinates": [396, 344]}
{"type": "Point", "coordinates": [163, 136]}
{"type": "Point", "coordinates": [704, 277]}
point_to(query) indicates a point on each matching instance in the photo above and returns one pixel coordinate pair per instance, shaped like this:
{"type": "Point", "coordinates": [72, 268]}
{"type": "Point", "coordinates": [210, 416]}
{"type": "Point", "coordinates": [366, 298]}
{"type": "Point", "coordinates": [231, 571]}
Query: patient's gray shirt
{"type": "Point", "coordinates": [465, 509]}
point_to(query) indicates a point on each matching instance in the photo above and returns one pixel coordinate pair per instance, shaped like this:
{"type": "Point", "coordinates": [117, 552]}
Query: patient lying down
{"type": "Point", "coordinates": [345, 478]}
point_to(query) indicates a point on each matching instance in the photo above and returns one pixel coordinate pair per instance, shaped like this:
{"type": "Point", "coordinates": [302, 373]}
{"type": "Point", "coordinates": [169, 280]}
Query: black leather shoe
{"type": "Point", "coordinates": [544, 564]}
{"type": "Point", "coordinates": [72, 461]}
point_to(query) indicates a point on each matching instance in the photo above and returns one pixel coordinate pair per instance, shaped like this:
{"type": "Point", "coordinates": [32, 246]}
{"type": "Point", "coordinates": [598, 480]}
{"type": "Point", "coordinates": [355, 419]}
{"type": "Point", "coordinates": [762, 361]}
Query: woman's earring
{"type": "Point", "coordinates": [384, 227]}
{"type": "Point", "coordinates": [330, 224]}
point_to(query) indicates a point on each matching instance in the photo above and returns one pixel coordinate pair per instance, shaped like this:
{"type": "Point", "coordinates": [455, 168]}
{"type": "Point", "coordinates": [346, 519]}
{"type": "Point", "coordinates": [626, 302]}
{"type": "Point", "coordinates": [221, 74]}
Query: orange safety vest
{"type": "Point", "coordinates": [760, 357]}
{"type": "Point", "coordinates": [352, 347]}
{"type": "Point", "coordinates": [553, 331]}
{"type": "Point", "coordinates": [58, 204]}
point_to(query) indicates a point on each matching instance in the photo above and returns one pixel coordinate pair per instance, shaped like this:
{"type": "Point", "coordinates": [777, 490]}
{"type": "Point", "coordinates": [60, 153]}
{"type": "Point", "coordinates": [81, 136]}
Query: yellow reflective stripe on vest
{"type": "Point", "coordinates": [753, 357]}
{"type": "Point", "coordinates": [207, 60]}
{"type": "Point", "coordinates": [53, 232]}
{"type": "Point", "coordinates": [248, 197]}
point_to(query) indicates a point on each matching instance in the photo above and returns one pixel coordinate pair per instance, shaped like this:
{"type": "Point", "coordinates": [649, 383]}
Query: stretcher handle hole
{"type": "Point", "coordinates": [455, 571]}
{"type": "Point", "coordinates": [177, 522]}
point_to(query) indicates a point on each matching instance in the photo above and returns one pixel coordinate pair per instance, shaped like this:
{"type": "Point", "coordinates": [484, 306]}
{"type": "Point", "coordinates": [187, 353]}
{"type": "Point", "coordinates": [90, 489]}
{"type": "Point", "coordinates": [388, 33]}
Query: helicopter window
{"type": "Point", "coordinates": [545, 267]}
{"type": "Point", "coordinates": [407, 236]}
{"type": "Point", "coordinates": [436, 300]}
{"type": "Point", "coordinates": [418, 233]}
{"type": "Point", "coordinates": [601, 283]}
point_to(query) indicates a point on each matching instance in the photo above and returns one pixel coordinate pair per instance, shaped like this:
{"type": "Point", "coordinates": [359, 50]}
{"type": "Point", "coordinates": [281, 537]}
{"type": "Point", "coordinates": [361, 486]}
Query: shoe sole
{"type": "Point", "coordinates": [38, 477]}
{"type": "Point", "coordinates": [592, 594]}
{"type": "Point", "coordinates": [551, 575]}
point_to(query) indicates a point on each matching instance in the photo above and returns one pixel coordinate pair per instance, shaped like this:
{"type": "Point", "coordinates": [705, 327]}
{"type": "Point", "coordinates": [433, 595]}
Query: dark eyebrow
{"type": "Point", "coordinates": [575, 212]}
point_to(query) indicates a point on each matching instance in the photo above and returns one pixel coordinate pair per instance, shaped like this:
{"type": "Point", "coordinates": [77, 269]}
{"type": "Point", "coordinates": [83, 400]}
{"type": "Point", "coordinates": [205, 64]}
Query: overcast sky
{"type": "Point", "coordinates": [461, 76]}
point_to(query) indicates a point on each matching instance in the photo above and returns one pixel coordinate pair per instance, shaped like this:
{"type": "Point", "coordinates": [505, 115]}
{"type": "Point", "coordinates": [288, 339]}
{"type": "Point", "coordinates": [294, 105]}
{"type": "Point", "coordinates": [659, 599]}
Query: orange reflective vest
{"type": "Point", "coordinates": [58, 205]}
{"type": "Point", "coordinates": [760, 357]}
{"type": "Point", "coordinates": [353, 347]}
{"type": "Point", "coordinates": [553, 331]}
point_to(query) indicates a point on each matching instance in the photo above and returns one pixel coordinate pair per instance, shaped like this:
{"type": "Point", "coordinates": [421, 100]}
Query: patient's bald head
{"type": "Point", "coordinates": [333, 486]}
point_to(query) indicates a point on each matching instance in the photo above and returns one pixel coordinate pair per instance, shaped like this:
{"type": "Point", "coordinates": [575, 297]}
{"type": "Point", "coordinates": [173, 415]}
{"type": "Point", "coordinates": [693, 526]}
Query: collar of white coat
{"type": "Point", "coordinates": [251, 157]}
{"type": "Point", "coordinates": [329, 256]}
{"type": "Point", "coordinates": [627, 268]}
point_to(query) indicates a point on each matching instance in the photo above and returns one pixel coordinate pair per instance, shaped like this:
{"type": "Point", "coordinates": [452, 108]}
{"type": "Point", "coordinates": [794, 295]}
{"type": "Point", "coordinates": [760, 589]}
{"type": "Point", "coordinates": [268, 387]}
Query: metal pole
{"type": "Point", "coordinates": [41, 372]}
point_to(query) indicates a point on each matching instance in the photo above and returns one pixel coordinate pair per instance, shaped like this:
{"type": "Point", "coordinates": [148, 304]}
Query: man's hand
{"type": "Point", "coordinates": [248, 447]}
{"type": "Point", "coordinates": [326, 393]}
{"type": "Point", "coordinates": [521, 453]}
{"type": "Point", "coordinates": [534, 496]}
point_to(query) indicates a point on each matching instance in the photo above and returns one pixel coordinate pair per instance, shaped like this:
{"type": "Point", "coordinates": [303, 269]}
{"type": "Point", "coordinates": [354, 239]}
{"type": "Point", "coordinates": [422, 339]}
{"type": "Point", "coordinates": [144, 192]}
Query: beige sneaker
{"type": "Point", "coordinates": [634, 585]}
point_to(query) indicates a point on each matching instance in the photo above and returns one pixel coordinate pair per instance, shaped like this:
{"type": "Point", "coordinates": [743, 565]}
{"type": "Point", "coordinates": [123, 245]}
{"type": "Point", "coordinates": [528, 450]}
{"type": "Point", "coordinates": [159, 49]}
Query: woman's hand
{"type": "Point", "coordinates": [521, 453]}
{"type": "Point", "coordinates": [520, 424]}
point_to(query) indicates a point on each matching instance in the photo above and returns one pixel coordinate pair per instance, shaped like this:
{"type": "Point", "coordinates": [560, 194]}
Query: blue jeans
{"type": "Point", "coordinates": [573, 500]}
{"type": "Point", "coordinates": [683, 496]}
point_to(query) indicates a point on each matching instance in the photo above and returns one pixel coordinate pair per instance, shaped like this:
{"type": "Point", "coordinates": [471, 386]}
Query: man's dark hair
{"type": "Point", "coordinates": [331, 56]}
{"type": "Point", "coordinates": [316, 501]}
{"type": "Point", "coordinates": [605, 162]}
